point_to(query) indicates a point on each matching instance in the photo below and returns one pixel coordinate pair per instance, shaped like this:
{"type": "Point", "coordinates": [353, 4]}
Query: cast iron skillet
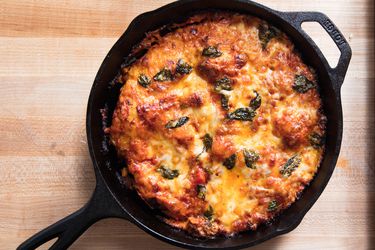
{"type": "Point", "coordinates": [110, 199]}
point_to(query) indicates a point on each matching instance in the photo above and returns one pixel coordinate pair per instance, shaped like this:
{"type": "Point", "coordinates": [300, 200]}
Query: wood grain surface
{"type": "Point", "coordinates": [50, 52]}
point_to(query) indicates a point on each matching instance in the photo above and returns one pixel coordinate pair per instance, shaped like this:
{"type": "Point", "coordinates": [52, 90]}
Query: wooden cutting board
{"type": "Point", "coordinates": [50, 52]}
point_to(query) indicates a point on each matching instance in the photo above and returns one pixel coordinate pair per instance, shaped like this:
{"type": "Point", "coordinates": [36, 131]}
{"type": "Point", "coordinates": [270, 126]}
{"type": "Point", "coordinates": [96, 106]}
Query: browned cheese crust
{"type": "Point", "coordinates": [220, 123]}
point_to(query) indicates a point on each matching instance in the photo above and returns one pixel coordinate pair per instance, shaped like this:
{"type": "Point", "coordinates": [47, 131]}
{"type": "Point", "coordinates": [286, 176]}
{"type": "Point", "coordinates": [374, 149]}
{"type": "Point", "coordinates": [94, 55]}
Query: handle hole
{"type": "Point", "coordinates": [329, 49]}
{"type": "Point", "coordinates": [48, 244]}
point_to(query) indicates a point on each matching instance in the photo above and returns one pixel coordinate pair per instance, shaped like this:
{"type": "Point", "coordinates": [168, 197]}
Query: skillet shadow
{"type": "Point", "coordinates": [370, 122]}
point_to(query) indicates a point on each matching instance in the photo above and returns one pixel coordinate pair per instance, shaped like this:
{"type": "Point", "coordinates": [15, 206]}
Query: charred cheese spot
{"type": "Point", "coordinates": [235, 198]}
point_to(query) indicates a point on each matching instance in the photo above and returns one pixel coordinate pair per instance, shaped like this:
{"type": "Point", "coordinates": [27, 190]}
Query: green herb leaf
{"type": "Point", "coordinates": [224, 102]}
{"type": "Point", "coordinates": [302, 84]}
{"type": "Point", "coordinates": [209, 213]}
{"type": "Point", "coordinates": [272, 205]}
{"type": "Point", "coordinates": [316, 140]}
{"type": "Point", "coordinates": [230, 162]}
{"type": "Point", "coordinates": [201, 191]}
{"type": "Point", "coordinates": [183, 68]}
{"type": "Point", "coordinates": [207, 142]}
{"type": "Point", "coordinates": [256, 101]}
{"type": "Point", "coordinates": [143, 80]}
{"type": "Point", "coordinates": [250, 158]}
{"type": "Point", "coordinates": [291, 164]}
{"type": "Point", "coordinates": [266, 33]}
{"type": "Point", "coordinates": [177, 123]}
{"type": "Point", "coordinates": [211, 52]}
{"type": "Point", "coordinates": [163, 75]}
{"type": "Point", "coordinates": [242, 114]}
{"type": "Point", "coordinates": [223, 84]}
{"type": "Point", "coordinates": [168, 173]}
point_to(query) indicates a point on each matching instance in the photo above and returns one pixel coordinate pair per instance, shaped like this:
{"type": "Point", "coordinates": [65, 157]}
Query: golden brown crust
{"type": "Point", "coordinates": [187, 153]}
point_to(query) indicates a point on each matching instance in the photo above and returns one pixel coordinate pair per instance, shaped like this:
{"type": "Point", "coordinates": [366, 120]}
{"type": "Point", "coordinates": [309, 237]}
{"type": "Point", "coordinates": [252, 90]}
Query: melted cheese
{"type": "Point", "coordinates": [240, 197]}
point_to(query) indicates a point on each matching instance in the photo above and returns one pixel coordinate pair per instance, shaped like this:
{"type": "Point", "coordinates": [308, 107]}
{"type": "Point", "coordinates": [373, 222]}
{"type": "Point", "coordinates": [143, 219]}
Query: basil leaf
{"type": "Point", "coordinates": [143, 80]}
{"type": "Point", "coordinates": [266, 33]}
{"type": "Point", "coordinates": [291, 165]}
{"type": "Point", "coordinates": [316, 140]}
{"type": "Point", "coordinates": [163, 75]}
{"type": "Point", "coordinates": [230, 162]}
{"type": "Point", "coordinates": [224, 102]}
{"type": "Point", "coordinates": [211, 52]}
{"type": "Point", "coordinates": [223, 84]}
{"type": "Point", "coordinates": [201, 190]}
{"type": "Point", "coordinates": [242, 114]}
{"type": "Point", "coordinates": [207, 142]}
{"type": "Point", "coordinates": [183, 68]}
{"type": "Point", "coordinates": [302, 84]}
{"type": "Point", "coordinates": [209, 213]}
{"type": "Point", "coordinates": [256, 101]}
{"type": "Point", "coordinates": [177, 123]}
{"type": "Point", "coordinates": [168, 173]}
{"type": "Point", "coordinates": [272, 205]}
{"type": "Point", "coordinates": [250, 158]}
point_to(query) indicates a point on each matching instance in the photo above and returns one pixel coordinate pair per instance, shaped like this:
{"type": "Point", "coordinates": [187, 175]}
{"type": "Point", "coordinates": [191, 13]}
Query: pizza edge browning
{"type": "Point", "coordinates": [220, 122]}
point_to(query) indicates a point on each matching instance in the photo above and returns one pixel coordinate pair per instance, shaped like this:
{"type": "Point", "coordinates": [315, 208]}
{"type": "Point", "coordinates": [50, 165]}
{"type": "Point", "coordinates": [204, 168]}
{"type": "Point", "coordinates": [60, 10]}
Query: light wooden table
{"type": "Point", "coordinates": [50, 52]}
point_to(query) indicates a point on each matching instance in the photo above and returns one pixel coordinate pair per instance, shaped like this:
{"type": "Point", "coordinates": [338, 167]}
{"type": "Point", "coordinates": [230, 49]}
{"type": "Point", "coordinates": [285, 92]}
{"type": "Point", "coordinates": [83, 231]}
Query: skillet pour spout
{"type": "Point", "coordinates": [110, 199]}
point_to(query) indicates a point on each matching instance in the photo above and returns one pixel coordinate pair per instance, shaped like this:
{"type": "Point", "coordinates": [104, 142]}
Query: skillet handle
{"type": "Point", "coordinates": [101, 205]}
{"type": "Point", "coordinates": [338, 73]}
